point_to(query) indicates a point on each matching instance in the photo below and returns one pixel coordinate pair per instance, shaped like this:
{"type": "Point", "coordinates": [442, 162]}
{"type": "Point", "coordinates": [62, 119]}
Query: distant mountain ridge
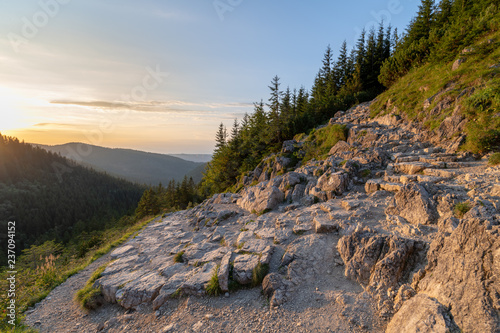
{"type": "Point", "coordinates": [199, 158]}
{"type": "Point", "coordinates": [133, 165]}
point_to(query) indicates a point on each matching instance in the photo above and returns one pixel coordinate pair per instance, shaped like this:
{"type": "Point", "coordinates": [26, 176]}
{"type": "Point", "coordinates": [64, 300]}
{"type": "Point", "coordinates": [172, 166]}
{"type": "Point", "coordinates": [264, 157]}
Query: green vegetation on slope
{"type": "Point", "coordinates": [417, 66]}
{"type": "Point", "coordinates": [43, 267]}
{"type": "Point", "coordinates": [476, 83]}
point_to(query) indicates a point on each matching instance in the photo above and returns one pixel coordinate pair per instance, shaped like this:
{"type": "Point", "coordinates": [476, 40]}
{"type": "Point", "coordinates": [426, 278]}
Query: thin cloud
{"type": "Point", "coordinates": [155, 106]}
{"type": "Point", "coordinates": [95, 104]}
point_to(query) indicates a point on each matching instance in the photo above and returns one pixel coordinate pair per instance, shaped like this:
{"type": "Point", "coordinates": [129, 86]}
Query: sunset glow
{"type": "Point", "coordinates": [160, 76]}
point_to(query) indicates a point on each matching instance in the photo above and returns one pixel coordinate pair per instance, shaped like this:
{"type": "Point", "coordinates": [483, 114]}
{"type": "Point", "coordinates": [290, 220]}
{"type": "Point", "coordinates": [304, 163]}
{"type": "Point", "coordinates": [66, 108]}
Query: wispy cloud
{"type": "Point", "coordinates": [154, 106]}
{"type": "Point", "coordinates": [94, 104]}
{"type": "Point", "coordinates": [59, 125]}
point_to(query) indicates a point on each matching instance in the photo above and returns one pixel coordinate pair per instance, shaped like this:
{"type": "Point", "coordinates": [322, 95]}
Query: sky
{"type": "Point", "coordinates": [161, 75]}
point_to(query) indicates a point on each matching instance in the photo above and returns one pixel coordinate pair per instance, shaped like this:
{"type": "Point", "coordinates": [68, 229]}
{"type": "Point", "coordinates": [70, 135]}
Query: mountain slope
{"type": "Point", "coordinates": [199, 158]}
{"type": "Point", "coordinates": [136, 166]}
{"type": "Point", "coordinates": [456, 102]}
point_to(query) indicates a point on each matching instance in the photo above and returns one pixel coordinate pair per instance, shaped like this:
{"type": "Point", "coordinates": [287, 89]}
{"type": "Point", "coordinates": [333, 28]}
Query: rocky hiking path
{"type": "Point", "coordinates": [367, 240]}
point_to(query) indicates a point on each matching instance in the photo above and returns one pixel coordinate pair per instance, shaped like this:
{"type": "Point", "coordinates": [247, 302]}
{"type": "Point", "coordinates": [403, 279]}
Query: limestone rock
{"type": "Point", "coordinates": [223, 273]}
{"type": "Point", "coordinates": [373, 185]}
{"type": "Point", "coordinates": [422, 314]}
{"type": "Point", "coordinates": [325, 225]}
{"type": "Point", "coordinates": [196, 284]}
{"type": "Point", "coordinates": [260, 198]}
{"type": "Point", "coordinates": [457, 63]}
{"type": "Point", "coordinates": [463, 272]}
{"type": "Point", "coordinates": [140, 290]}
{"type": "Point", "coordinates": [414, 203]}
{"type": "Point", "coordinates": [243, 268]}
{"type": "Point", "coordinates": [340, 147]}
{"type": "Point", "coordinates": [379, 262]}
{"type": "Point", "coordinates": [273, 287]}
{"type": "Point", "coordinates": [333, 184]}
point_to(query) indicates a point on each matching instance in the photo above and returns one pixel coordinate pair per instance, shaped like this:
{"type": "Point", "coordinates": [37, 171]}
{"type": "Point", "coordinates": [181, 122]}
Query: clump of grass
{"type": "Point", "coordinates": [461, 209]}
{"type": "Point", "coordinates": [494, 159]}
{"type": "Point", "coordinates": [178, 257]}
{"type": "Point", "coordinates": [213, 287]}
{"type": "Point", "coordinates": [259, 273]}
{"type": "Point", "coordinates": [319, 142]}
{"type": "Point", "coordinates": [366, 173]}
{"type": "Point", "coordinates": [90, 297]}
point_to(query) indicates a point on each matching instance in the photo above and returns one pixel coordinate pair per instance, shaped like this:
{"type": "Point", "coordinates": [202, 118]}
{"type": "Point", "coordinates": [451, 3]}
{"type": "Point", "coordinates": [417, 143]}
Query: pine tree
{"type": "Point", "coordinates": [342, 66]}
{"type": "Point", "coordinates": [220, 137]}
{"type": "Point", "coordinates": [274, 110]}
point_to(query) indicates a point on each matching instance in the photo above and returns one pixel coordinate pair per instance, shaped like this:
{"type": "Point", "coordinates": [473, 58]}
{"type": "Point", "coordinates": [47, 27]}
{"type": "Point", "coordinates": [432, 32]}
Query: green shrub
{"type": "Point", "coordinates": [494, 159]}
{"type": "Point", "coordinates": [461, 209]}
{"type": "Point", "coordinates": [178, 257]}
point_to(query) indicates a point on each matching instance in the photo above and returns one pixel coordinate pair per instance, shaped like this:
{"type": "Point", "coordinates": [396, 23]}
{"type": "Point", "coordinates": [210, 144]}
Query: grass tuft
{"type": "Point", "coordinates": [90, 297]}
{"type": "Point", "coordinates": [494, 159]}
{"type": "Point", "coordinates": [461, 209]}
{"type": "Point", "coordinates": [178, 257]}
{"type": "Point", "coordinates": [213, 287]}
{"type": "Point", "coordinates": [259, 273]}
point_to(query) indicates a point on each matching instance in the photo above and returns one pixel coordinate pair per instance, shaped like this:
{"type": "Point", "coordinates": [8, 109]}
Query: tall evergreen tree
{"type": "Point", "coordinates": [274, 110]}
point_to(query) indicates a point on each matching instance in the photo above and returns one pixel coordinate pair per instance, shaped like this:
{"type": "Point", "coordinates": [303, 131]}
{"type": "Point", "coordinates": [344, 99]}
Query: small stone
{"type": "Point", "coordinates": [226, 295]}
{"type": "Point", "coordinates": [157, 313]}
{"type": "Point", "coordinates": [169, 328]}
{"type": "Point", "coordinates": [197, 326]}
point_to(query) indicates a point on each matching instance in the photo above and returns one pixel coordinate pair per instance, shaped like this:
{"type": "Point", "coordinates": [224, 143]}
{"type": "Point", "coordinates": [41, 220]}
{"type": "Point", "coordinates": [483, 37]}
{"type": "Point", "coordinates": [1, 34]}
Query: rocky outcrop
{"type": "Point", "coordinates": [464, 274]}
{"type": "Point", "coordinates": [379, 262]}
{"type": "Point", "coordinates": [414, 204]}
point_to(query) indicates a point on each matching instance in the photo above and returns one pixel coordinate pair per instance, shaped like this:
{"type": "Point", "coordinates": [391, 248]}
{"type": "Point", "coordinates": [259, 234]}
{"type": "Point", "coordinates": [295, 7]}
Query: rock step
{"type": "Point", "coordinates": [412, 168]}
{"type": "Point", "coordinates": [405, 179]}
{"type": "Point", "coordinates": [374, 185]}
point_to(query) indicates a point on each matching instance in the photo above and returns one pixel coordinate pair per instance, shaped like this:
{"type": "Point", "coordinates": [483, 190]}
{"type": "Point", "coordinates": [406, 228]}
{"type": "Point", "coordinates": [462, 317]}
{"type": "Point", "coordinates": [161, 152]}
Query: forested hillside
{"type": "Point", "coordinates": [381, 59]}
{"type": "Point", "coordinates": [52, 198]}
{"type": "Point", "coordinates": [445, 74]}
{"type": "Point", "coordinates": [338, 85]}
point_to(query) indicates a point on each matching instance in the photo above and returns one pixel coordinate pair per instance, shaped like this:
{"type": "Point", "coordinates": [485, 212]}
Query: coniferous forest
{"type": "Point", "coordinates": [437, 33]}
{"type": "Point", "coordinates": [51, 198]}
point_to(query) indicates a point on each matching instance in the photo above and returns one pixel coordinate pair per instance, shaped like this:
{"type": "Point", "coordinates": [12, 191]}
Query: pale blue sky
{"type": "Point", "coordinates": [95, 59]}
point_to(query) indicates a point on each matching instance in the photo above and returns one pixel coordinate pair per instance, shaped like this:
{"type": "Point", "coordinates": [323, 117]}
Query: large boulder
{"type": "Point", "coordinates": [333, 184]}
{"type": "Point", "coordinates": [422, 314]}
{"type": "Point", "coordinates": [339, 148]}
{"type": "Point", "coordinates": [464, 273]}
{"type": "Point", "coordinates": [380, 262]}
{"type": "Point", "coordinates": [415, 204]}
{"type": "Point", "coordinates": [260, 198]}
